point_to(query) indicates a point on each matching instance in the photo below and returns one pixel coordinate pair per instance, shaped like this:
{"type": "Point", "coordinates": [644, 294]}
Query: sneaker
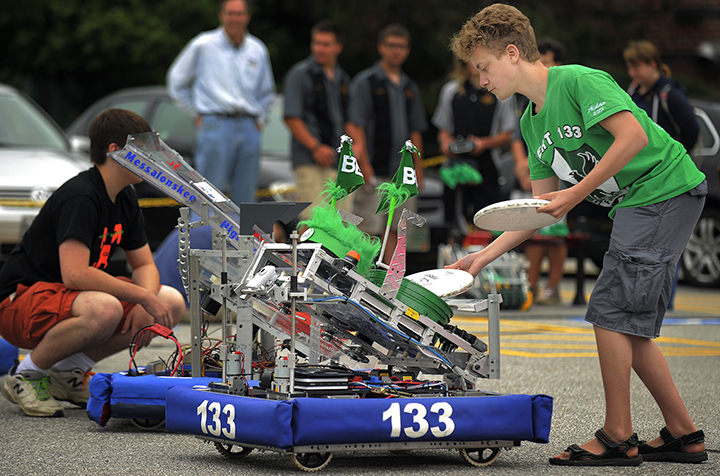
{"type": "Point", "coordinates": [29, 390]}
{"type": "Point", "coordinates": [549, 297]}
{"type": "Point", "coordinates": [70, 386]}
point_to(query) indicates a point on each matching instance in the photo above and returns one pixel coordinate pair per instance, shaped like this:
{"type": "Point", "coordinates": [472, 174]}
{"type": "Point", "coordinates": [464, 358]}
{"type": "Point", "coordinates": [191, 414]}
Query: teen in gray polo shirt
{"type": "Point", "coordinates": [316, 112]}
{"type": "Point", "coordinates": [385, 111]}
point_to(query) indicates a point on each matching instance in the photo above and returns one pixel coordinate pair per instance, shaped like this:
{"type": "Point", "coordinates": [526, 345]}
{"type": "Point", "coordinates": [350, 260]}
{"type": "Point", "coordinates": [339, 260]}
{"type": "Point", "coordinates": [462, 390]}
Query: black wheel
{"type": "Point", "coordinates": [701, 258]}
{"type": "Point", "coordinates": [232, 451]}
{"type": "Point", "coordinates": [148, 424]}
{"type": "Point", "coordinates": [480, 456]}
{"type": "Point", "coordinates": [310, 462]}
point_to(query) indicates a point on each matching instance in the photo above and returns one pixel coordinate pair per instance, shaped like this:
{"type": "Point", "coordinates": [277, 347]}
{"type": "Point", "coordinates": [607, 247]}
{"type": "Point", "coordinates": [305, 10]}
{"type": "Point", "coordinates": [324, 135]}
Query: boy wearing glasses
{"type": "Point", "coordinates": [385, 111]}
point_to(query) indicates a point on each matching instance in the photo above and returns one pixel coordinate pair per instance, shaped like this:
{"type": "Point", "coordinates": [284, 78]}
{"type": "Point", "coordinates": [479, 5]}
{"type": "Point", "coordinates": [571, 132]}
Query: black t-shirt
{"type": "Point", "coordinates": [79, 209]}
{"type": "Point", "coordinates": [472, 114]}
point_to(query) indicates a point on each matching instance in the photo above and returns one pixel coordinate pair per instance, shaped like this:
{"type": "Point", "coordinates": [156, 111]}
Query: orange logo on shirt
{"type": "Point", "coordinates": [115, 237]}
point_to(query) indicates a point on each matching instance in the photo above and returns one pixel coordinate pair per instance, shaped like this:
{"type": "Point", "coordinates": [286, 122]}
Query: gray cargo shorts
{"type": "Point", "coordinates": [633, 289]}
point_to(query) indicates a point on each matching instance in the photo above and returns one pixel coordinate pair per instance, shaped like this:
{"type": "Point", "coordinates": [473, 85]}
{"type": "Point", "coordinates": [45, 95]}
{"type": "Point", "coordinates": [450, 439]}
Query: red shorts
{"type": "Point", "coordinates": [34, 310]}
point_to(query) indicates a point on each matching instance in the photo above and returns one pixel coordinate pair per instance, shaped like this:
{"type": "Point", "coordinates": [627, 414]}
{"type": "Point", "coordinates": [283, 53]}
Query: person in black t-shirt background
{"type": "Point", "coordinates": [56, 297]}
{"type": "Point", "coordinates": [472, 115]}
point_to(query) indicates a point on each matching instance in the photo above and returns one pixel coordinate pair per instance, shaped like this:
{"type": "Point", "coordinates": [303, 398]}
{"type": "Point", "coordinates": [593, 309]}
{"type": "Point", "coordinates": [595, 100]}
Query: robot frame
{"type": "Point", "coordinates": [345, 315]}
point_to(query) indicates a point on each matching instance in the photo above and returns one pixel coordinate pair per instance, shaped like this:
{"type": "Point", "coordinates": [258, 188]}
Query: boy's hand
{"type": "Point", "coordinates": [324, 155]}
{"type": "Point", "coordinates": [561, 202]}
{"type": "Point", "coordinates": [136, 321]}
{"type": "Point", "coordinates": [467, 263]}
{"type": "Point", "coordinates": [158, 310]}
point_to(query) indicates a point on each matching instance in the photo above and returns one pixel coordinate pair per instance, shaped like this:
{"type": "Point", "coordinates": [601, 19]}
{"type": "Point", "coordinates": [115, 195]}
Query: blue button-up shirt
{"type": "Point", "coordinates": [212, 75]}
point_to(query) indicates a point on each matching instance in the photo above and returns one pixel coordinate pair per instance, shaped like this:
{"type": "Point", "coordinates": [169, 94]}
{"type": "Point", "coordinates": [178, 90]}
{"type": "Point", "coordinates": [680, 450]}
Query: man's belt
{"type": "Point", "coordinates": [229, 114]}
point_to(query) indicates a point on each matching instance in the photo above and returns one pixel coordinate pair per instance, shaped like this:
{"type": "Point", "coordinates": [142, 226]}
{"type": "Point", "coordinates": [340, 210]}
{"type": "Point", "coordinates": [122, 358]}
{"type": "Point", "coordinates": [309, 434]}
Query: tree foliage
{"type": "Point", "coordinates": [83, 49]}
{"type": "Point", "coordinates": [68, 53]}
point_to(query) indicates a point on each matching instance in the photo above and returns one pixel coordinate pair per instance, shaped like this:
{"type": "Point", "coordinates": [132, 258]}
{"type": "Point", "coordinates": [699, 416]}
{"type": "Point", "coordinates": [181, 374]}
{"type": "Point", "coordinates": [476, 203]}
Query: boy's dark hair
{"type": "Point", "coordinates": [393, 29]}
{"type": "Point", "coordinates": [113, 126]}
{"type": "Point", "coordinates": [557, 48]}
{"type": "Point", "coordinates": [329, 26]}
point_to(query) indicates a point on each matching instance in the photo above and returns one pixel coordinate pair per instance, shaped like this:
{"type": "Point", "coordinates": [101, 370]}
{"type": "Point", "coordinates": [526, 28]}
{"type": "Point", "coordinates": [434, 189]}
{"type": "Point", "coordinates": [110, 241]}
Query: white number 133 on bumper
{"type": "Point", "coordinates": [420, 425]}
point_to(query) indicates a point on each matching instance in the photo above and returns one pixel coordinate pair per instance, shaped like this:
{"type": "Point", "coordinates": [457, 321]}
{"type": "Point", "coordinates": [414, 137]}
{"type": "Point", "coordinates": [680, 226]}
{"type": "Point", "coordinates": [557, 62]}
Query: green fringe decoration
{"type": "Point", "coordinates": [389, 190]}
{"type": "Point", "coordinates": [460, 174]}
{"type": "Point", "coordinates": [327, 219]}
{"type": "Point", "coordinates": [333, 191]}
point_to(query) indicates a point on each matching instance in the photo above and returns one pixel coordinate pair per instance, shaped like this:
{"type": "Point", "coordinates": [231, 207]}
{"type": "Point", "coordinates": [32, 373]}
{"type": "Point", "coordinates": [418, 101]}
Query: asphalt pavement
{"type": "Point", "coordinates": [545, 350]}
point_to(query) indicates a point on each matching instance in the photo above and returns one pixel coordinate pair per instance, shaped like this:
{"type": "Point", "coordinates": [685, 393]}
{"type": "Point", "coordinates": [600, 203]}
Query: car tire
{"type": "Point", "coordinates": [701, 257]}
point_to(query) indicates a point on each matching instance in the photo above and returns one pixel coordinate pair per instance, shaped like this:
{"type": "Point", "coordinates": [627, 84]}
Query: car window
{"type": "Point", "coordinates": [138, 106]}
{"type": "Point", "coordinates": [710, 141]}
{"type": "Point", "coordinates": [21, 124]}
{"type": "Point", "coordinates": [276, 136]}
{"type": "Point", "coordinates": [173, 124]}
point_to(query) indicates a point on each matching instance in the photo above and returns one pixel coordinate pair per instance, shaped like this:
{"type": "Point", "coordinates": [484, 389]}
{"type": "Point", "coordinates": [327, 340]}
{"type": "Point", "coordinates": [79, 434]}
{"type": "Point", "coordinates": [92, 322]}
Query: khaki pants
{"type": "Point", "coordinates": [367, 200]}
{"type": "Point", "coordinates": [311, 180]}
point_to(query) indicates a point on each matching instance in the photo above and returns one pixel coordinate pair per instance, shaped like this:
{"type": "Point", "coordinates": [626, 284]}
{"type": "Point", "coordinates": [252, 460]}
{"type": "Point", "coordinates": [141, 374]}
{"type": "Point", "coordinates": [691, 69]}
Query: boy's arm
{"type": "Point", "coordinates": [444, 140]}
{"type": "Point", "coordinates": [416, 138]}
{"type": "Point", "coordinates": [323, 154]}
{"type": "Point", "coordinates": [357, 133]}
{"type": "Point", "coordinates": [522, 167]}
{"type": "Point", "coordinates": [630, 138]}
{"type": "Point", "coordinates": [181, 76]}
{"type": "Point", "coordinates": [79, 275]}
{"type": "Point", "coordinates": [501, 139]}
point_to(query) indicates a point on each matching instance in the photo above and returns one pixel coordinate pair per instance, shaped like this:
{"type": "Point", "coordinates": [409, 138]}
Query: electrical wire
{"type": "Point", "coordinates": [159, 330]}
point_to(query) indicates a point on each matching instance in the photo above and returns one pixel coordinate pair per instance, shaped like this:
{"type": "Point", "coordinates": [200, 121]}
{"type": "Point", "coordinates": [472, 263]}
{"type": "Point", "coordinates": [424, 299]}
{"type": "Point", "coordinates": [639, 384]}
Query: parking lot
{"type": "Point", "coordinates": [546, 350]}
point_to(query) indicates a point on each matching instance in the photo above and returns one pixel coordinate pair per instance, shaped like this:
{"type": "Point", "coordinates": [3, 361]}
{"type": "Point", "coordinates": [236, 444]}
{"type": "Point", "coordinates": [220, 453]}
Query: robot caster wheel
{"type": "Point", "coordinates": [310, 462]}
{"type": "Point", "coordinates": [148, 424]}
{"type": "Point", "coordinates": [232, 451]}
{"type": "Point", "coordinates": [480, 456]}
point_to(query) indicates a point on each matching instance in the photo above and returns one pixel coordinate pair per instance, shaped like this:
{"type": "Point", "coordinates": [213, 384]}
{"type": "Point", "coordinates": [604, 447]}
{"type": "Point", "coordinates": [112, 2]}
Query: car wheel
{"type": "Point", "coordinates": [701, 258]}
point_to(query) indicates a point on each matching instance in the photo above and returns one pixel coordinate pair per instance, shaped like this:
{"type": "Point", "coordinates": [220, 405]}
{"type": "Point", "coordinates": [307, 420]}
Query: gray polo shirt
{"type": "Point", "coordinates": [300, 103]}
{"type": "Point", "coordinates": [402, 124]}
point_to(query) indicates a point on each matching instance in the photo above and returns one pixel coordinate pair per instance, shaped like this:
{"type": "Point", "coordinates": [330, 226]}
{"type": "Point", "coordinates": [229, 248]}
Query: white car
{"type": "Point", "coordinates": [35, 159]}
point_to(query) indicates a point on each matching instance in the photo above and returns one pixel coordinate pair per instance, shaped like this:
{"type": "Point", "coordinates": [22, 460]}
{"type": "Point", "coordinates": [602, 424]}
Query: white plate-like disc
{"type": "Point", "coordinates": [514, 215]}
{"type": "Point", "coordinates": [443, 282]}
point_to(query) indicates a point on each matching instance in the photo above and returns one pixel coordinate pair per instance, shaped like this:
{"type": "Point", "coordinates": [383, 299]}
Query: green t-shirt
{"type": "Point", "coordinates": [566, 139]}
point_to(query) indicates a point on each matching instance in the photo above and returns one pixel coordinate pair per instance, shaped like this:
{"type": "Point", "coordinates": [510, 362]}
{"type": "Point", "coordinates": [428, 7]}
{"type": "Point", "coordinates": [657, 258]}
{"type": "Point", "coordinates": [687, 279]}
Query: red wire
{"type": "Point", "coordinates": [181, 356]}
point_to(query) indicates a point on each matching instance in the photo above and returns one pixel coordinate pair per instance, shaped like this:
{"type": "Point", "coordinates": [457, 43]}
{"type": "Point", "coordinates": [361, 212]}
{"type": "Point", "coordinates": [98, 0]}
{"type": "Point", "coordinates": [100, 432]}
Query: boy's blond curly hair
{"type": "Point", "coordinates": [495, 27]}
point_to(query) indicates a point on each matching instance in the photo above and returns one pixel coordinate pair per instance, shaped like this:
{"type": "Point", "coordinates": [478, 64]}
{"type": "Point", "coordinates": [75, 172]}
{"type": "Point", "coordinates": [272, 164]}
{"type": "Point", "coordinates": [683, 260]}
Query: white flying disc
{"type": "Point", "coordinates": [514, 215]}
{"type": "Point", "coordinates": [443, 282]}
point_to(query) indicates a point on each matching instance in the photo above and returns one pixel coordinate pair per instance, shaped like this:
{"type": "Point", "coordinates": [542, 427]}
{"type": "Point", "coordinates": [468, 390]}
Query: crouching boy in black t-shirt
{"type": "Point", "coordinates": [56, 297]}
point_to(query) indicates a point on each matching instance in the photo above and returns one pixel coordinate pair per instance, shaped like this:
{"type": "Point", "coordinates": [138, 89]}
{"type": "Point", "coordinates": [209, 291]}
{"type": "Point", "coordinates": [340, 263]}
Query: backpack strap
{"type": "Point", "coordinates": [663, 95]}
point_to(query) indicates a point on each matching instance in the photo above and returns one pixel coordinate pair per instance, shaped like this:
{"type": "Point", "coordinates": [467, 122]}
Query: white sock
{"type": "Point", "coordinates": [75, 361]}
{"type": "Point", "coordinates": [28, 364]}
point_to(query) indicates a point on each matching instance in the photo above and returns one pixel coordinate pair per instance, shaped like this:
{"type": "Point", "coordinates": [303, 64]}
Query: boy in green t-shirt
{"type": "Point", "coordinates": [584, 130]}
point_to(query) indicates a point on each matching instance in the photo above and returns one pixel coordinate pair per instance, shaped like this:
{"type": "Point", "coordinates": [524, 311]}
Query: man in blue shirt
{"type": "Point", "coordinates": [224, 76]}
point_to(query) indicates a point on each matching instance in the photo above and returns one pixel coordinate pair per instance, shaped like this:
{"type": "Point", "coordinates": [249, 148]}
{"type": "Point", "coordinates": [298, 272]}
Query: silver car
{"type": "Point", "coordinates": [177, 129]}
{"type": "Point", "coordinates": [35, 159]}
